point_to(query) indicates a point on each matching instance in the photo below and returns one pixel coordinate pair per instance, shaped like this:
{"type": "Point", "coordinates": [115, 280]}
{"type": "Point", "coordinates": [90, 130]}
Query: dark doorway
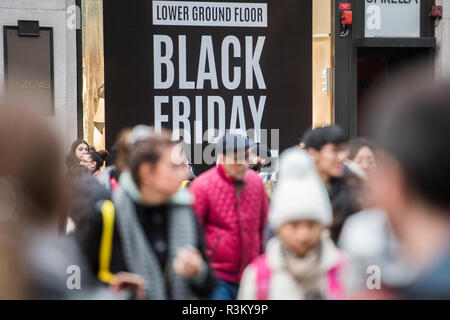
{"type": "Point", "coordinates": [376, 65]}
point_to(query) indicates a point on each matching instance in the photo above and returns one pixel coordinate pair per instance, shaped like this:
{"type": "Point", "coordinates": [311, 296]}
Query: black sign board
{"type": "Point", "coordinates": [199, 65]}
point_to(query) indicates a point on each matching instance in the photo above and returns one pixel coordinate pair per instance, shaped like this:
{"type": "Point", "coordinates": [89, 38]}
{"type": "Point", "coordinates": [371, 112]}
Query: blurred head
{"type": "Point", "coordinates": [158, 168]}
{"type": "Point", "coordinates": [412, 179]}
{"type": "Point", "coordinates": [363, 154]}
{"type": "Point", "coordinates": [328, 147]}
{"type": "Point", "coordinates": [233, 155]}
{"type": "Point", "coordinates": [31, 170]}
{"type": "Point", "coordinates": [121, 149]}
{"type": "Point", "coordinates": [32, 197]}
{"type": "Point", "coordinates": [77, 172]}
{"type": "Point", "coordinates": [300, 236]}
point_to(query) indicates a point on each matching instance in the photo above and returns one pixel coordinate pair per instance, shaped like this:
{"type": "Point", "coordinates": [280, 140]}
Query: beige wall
{"type": "Point", "coordinates": [322, 59]}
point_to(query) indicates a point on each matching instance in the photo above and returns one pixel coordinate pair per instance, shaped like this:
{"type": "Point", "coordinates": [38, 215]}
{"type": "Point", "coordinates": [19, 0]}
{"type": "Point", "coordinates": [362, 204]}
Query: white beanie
{"type": "Point", "coordinates": [300, 193]}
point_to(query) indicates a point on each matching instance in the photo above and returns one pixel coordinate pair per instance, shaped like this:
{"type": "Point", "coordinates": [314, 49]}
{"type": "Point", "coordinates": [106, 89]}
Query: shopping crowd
{"type": "Point", "coordinates": [332, 218]}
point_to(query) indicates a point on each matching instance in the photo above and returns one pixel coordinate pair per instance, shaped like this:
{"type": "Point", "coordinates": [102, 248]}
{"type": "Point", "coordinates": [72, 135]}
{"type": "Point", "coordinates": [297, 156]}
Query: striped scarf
{"type": "Point", "coordinates": [140, 257]}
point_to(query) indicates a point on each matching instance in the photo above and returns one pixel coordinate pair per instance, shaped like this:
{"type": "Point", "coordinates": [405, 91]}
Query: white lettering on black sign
{"type": "Point", "coordinates": [216, 14]}
{"type": "Point", "coordinates": [207, 76]}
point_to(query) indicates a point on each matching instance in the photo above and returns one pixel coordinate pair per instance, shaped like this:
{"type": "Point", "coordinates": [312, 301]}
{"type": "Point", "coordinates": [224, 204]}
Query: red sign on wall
{"type": "Point", "coordinates": [345, 6]}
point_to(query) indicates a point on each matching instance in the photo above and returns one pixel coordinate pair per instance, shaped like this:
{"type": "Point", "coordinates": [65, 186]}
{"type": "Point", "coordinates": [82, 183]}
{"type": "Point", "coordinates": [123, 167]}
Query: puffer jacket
{"type": "Point", "coordinates": [233, 216]}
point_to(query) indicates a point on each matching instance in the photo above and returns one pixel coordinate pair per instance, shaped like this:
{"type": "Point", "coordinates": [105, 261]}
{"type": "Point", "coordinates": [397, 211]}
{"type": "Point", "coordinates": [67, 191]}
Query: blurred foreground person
{"type": "Point", "coordinates": [301, 262]}
{"type": "Point", "coordinates": [377, 267]}
{"type": "Point", "coordinates": [149, 229]}
{"type": "Point", "coordinates": [231, 205]}
{"type": "Point", "coordinates": [412, 180]}
{"type": "Point", "coordinates": [13, 279]}
{"type": "Point", "coordinates": [32, 200]}
{"type": "Point", "coordinates": [328, 147]}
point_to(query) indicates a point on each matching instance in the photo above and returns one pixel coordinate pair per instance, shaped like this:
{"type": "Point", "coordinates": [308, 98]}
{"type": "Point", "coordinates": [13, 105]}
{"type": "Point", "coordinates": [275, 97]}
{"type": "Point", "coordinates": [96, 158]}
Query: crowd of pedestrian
{"type": "Point", "coordinates": [332, 218]}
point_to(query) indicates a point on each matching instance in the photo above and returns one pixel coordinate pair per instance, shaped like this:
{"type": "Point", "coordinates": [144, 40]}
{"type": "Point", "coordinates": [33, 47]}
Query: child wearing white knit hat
{"type": "Point", "coordinates": [300, 194]}
{"type": "Point", "coordinates": [301, 261]}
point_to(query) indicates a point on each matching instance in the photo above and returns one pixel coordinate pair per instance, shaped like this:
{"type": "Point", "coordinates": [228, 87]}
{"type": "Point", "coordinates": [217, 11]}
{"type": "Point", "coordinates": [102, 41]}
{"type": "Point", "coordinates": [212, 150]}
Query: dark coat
{"type": "Point", "coordinates": [344, 196]}
{"type": "Point", "coordinates": [154, 223]}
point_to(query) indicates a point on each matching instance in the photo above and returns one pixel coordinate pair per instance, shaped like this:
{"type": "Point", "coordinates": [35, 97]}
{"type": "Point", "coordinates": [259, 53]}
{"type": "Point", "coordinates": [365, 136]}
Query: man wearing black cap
{"type": "Point", "coordinates": [232, 206]}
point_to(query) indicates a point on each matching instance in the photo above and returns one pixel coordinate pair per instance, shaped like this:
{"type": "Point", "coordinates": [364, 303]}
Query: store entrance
{"type": "Point", "coordinates": [376, 65]}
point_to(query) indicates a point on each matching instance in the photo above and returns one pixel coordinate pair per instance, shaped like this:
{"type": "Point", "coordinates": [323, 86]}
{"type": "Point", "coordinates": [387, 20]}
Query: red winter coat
{"type": "Point", "coordinates": [234, 229]}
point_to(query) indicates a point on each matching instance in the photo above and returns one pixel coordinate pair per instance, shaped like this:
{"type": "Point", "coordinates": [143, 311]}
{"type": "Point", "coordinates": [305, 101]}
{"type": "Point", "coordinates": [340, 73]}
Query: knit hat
{"type": "Point", "coordinates": [300, 193]}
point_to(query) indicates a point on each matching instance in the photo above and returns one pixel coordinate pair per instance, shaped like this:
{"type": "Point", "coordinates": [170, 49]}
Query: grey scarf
{"type": "Point", "coordinates": [140, 257]}
{"type": "Point", "coordinates": [305, 270]}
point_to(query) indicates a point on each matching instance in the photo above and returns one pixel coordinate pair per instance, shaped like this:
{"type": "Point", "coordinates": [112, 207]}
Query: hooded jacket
{"type": "Point", "coordinates": [233, 216]}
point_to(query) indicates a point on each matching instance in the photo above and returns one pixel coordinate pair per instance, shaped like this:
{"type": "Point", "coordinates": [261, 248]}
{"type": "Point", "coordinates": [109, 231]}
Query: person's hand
{"type": "Point", "coordinates": [134, 282]}
{"type": "Point", "coordinates": [189, 263]}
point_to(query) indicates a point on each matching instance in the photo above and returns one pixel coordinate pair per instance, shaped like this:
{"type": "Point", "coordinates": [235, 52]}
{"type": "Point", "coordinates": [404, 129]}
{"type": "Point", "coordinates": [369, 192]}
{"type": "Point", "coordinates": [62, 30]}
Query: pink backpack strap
{"type": "Point", "coordinates": [114, 183]}
{"type": "Point", "coordinates": [336, 289]}
{"type": "Point", "coordinates": [262, 277]}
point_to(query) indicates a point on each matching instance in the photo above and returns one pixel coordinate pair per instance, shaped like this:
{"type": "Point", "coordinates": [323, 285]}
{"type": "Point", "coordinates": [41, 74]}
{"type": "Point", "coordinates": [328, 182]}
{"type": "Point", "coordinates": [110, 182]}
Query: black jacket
{"type": "Point", "coordinates": [344, 195]}
{"type": "Point", "coordinates": [84, 195]}
{"type": "Point", "coordinates": [155, 225]}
